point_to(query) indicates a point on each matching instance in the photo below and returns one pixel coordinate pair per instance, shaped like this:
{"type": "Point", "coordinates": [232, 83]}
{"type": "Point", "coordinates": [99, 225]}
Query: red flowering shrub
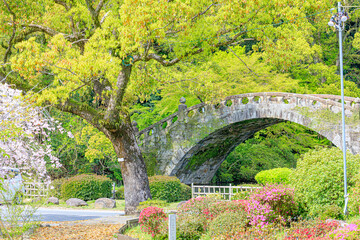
{"type": "Point", "coordinates": [310, 230]}
{"type": "Point", "coordinates": [153, 221]}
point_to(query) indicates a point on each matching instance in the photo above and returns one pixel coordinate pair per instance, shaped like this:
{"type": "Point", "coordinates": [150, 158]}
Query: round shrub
{"type": "Point", "coordinates": [319, 178]}
{"type": "Point", "coordinates": [168, 188]}
{"type": "Point", "coordinates": [274, 176]}
{"type": "Point", "coordinates": [228, 223]}
{"type": "Point", "coordinates": [86, 187]}
{"type": "Point", "coordinates": [153, 221]}
{"type": "Point", "coordinates": [119, 193]}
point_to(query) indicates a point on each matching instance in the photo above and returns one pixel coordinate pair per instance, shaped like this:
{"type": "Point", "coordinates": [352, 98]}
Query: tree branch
{"type": "Point", "coordinates": [167, 63]}
{"type": "Point", "coordinates": [116, 98]}
{"type": "Point", "coordinates": [95, 12]}
{"type": "Point", "coordinates": [82, 110]}
{"type": "Point", "coordinates": [10, 42]}
{"type": "Point", "coordinates": [63, 4]}
{"type": "Point", "coordinates": [202, 13]}
{"type": "Point", "coordinates": [243, 62]}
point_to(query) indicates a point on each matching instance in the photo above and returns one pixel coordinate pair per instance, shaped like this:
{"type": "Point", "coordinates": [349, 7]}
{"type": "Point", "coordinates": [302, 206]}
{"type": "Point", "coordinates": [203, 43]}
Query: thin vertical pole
{"type": "Point", "coordinates": [342, 105]}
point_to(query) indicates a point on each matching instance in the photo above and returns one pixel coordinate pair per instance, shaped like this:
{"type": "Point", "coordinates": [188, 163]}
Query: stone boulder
{"type": "Point", "coordinates": [181, 204]}
{"type": "Point", "coordinates": [53, 200]}
{"type": "Point", "coordinates": [105, 203]}
{"type": "Point", "coordinates": [75, 202]}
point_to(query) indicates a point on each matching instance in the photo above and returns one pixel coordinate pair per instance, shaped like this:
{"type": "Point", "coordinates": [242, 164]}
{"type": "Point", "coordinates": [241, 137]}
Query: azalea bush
{"type": "Point", "coordinates": [270, 203]}
{"type": "Point", "coordinates": [310, 229]}
{"type": "Point", "coordinates": [228, 222]}
{"type": "Point", "coordinates": [349, 232]}
{"type": "Point", "coordinates": [153, 221]}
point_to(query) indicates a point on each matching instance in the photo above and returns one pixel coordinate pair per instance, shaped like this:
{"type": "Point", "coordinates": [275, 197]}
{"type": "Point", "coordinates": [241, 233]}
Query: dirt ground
{"type": "Point", "coordinates": [77, 232]}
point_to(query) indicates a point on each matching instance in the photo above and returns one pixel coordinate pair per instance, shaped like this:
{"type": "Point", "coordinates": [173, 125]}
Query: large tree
{"type": "Point", "coordinates": [92, 58]}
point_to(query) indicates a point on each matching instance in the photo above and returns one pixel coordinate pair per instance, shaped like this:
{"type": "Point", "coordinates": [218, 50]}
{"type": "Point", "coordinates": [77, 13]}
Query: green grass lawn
{"type": "Point", "coordinates": [120, 205]}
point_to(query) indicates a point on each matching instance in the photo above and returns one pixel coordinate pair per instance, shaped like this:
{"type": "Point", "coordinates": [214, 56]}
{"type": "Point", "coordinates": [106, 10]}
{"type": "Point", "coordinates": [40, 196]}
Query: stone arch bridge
{"type": "Point", "coordinates": [193, 142]}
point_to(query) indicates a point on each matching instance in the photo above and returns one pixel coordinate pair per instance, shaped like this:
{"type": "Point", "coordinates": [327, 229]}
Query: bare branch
{"type": "Point", "coordinates": [43, 29]}
{"type": "Point", "coordinates": [243, 62]}
{"type": "Point", "coordinates": [202, 13]}
{"type": "Point", "coordinates": [81, 40]}
{"type": "Point", "coordinates": [104, 17]}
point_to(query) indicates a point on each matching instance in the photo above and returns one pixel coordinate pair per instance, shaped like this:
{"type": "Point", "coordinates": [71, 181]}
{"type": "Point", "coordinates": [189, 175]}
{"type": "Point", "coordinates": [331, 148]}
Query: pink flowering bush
{"type": "Point", "coordinates": [270, 203]}
{"type": "Point", "coordinates": [349, 232]}
{"type": "Point", "coordinates": [153, 221]}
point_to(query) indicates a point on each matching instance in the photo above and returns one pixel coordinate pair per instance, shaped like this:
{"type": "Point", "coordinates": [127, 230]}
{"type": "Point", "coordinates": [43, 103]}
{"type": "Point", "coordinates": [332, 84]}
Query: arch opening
{"type": "Point", "coordinates": [202, 161]}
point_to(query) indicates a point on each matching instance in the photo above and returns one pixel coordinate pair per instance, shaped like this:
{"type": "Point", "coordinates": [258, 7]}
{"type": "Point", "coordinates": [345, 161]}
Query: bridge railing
{"type": "Point", "coordinates": [318, 101]}
{"type": "Point", "coordinates": [226, 192]}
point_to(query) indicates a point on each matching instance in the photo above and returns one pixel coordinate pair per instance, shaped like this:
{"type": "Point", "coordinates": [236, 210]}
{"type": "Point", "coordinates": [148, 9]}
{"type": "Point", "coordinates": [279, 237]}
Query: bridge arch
{"type": "Point", "coordinates": [192, 143]}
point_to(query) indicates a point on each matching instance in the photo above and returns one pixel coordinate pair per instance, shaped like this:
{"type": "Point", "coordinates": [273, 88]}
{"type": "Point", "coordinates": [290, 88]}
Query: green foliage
{"type": "Point", "coordinates": [168, 188]}
{"type": "Point", "coordinates": [274, 147]}
{"type": "Point", "coordinates": [331, 212]}
{"type": "Point", "coordinates": [276, 175]}
{"type": "Point", "coordinates": [354, 198]}
{"type": "Point", "coordinates": [228, 223]}
{"type": "Point", "coordinates": [152, 203]}
{"type": "Point", "coordinates": [86, 187]}
{"type": "Point", "coordinates": [55, 187]}
{"type": "Point", "coordinates": [319, 178]}
{"type": "Point", "coordinates": [119, 193]}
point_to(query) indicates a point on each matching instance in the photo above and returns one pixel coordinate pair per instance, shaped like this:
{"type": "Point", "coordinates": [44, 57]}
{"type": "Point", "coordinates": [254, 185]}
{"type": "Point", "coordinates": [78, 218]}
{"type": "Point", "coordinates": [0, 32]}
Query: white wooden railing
{"type": "Point", "coordinates": [226, 192]}
{"type": "Point", "coordinates": [36, 189]}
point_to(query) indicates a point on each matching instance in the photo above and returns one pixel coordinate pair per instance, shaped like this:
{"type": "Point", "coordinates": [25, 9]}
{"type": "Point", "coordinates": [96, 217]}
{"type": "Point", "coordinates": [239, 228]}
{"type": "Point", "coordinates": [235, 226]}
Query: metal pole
{"type": "Point", "coordinates": [342, 105]}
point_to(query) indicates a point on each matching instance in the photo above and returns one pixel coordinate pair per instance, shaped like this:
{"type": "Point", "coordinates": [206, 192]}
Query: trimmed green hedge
{"type": "Point", "coordinates": [168, 188]}
{"type": "Point", "coordinates": [276, 175]}
{"type": "Point", "coordinates": [86, 187]}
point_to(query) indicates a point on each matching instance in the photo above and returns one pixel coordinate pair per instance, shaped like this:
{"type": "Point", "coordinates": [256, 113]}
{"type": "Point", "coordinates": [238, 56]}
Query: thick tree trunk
{"type": "Point", "coordinates": [133, 168]}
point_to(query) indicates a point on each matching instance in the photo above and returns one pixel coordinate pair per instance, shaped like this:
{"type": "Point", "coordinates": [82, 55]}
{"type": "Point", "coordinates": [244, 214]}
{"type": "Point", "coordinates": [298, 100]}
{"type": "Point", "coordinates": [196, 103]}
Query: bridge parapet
{"type": "Point", "coordinates": [318, 101]}
{"type": "Point", "coordinates": [192, 143]}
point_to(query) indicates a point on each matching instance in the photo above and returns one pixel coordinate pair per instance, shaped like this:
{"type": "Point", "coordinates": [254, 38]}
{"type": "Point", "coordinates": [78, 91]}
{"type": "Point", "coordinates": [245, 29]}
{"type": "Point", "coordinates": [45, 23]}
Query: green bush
{"type": "Point", "coordinates": [168, 188]}
{"type": "Point", "coordinates": [152, 203]}
{"type": "Point", "coordinates": [228, 223]}
{"type": "Point", "coordinates": [354, 197]}
{"type": "Point", "coordinates": [319, 178]}
{"type": "Point", "coordinates": [55, 187]}
{"type": "Point", "coordinates": [86, 187]}
{"type": "Point", "coordinates": [330, 212]}
{"type": "Point", "coordinates": [273, 176]}
{"type": "Point", "coordinates": [119, 193]}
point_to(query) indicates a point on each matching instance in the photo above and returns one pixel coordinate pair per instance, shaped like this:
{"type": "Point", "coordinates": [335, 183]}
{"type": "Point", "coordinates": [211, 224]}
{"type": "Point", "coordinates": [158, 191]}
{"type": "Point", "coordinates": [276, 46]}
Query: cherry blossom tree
{"type": "Point", "coordinates": [25, 134]}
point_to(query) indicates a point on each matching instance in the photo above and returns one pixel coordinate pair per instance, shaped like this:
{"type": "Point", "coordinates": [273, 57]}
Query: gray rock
{"type": "Point", "coordinates": [105, 203]}
{"type": "Point", "coordinates": [53, 200]}
{"type": "Point", "coordinates": [124, 237]}
{"type": "Point", "coordinates": [75, 202]}
{"type": "Point", "coordinates": [181, 204]}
